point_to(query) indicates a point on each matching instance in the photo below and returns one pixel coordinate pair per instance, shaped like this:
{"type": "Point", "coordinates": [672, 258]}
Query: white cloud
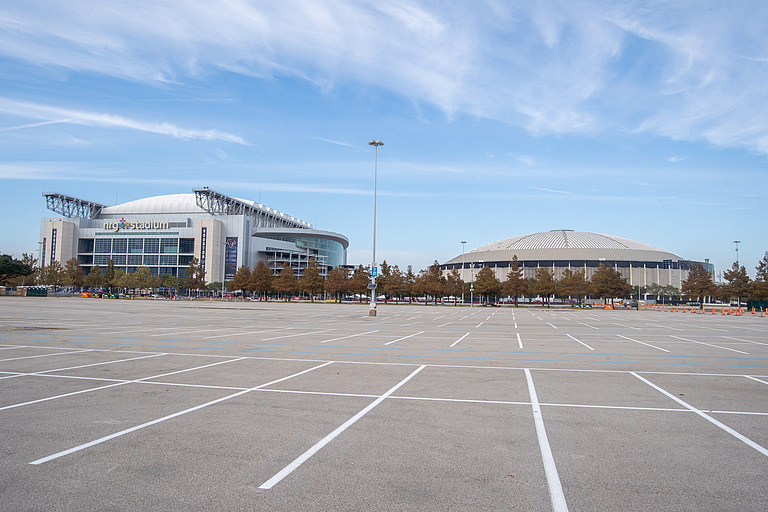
{"type": "Point", "coordinates": [61, 115]}
{"type": "Point", "coordinates": [687, 71]}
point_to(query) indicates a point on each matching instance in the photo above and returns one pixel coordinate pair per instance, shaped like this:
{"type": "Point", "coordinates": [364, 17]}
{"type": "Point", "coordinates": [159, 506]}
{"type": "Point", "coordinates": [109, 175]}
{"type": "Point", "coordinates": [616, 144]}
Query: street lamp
{"type": "Point", "coordinates": [374, 267]}
{"type": "Point", "coordinates": [737, 242]}
{"type": "Point", "coordinates": [462, 270]}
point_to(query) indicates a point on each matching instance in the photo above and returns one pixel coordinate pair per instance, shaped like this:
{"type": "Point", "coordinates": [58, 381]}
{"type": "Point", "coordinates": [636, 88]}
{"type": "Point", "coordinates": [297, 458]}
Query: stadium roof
{"type": "Point", "coordinates": [563, 244]}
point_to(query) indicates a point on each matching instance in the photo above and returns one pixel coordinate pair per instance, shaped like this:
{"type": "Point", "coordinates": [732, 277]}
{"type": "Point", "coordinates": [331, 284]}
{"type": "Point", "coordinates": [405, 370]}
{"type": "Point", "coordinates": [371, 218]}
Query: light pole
{"type": "Point", "coordinates": [462, 270]}
{"type": "Point", "coordinates": [374, 267]}
{"type": "Point", "coordinates": [737, 242]}
{"type": "Point", "coordinates": [223, 269]}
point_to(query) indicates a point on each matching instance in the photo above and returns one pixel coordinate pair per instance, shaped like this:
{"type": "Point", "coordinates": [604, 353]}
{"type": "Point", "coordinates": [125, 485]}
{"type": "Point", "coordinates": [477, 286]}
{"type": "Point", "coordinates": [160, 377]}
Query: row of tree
{"type": "Point", "coordinates": [26, 273]}
{"type": "Point", "coordinates": [606, 282]}
{"type": "Point", "coordinates": [700, 283]}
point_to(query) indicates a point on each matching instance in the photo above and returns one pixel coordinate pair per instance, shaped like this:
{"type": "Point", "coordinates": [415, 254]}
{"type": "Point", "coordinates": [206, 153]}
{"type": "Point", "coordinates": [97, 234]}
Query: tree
{"type": "Point", "coordinates": [11, 268]}
{"type": "Point", "coordinates": [337, 282]}
{"type": "Point", "coordinates": [574, 284]}
{"type": "Point", "coordinates": [195, 278]}
{"type": "Point", "coordinates": [73, 273]}
{"type": "Point", "coordinates": [431, 282]}
{"type": "Point", "coordinates": [760, 284]}
{"type": "Point", "coordinates": [51, 274]}
{"type": "Point", "coordinates": [109, 278]}
{"type": "Point", "coordinates": [608, 283]}
{"type": "Point", "coordinates": [242, 279]}
{"type": "Point", "coordinates": [699, 283]}
{"type": "Point", "coordinates": [261, 280]}
{"type": "Point", "coordinates": [515, 286]}
{"type": "Point", "coordinates": [286, 281]}
{"type": "Point", "coordinates": [544, 284]}
{"type": "Point", "coordinates": [454, 285]}
{"type": "Point", "coordinates": [94, 278]}
{"type": "Point", "coordinates": [170, 282]}
{"type": "Point", "coordinates": [486, 283]}
{"type": "Point", "coordinates": [312, 282]}
{"type": "Point", "coordinates": [360, 280]}
{"type": "Point", "coordinates": [738, 281]}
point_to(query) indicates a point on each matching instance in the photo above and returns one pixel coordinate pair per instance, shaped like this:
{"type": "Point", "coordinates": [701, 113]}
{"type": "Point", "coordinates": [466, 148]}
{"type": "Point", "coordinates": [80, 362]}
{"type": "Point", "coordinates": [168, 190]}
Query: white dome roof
{"type": "Point", "coordinates": [563, 244]}
{"type": "Point", "coordinates": [173, 203]}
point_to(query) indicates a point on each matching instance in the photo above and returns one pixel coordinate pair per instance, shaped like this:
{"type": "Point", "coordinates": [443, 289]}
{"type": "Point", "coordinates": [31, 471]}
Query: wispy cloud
{"type": "Point", "coordinates": [345, 144]}
{"type": "Point", "coordinates": [674, 159]}
{"type": "Point", "coordinates": [583, 67]}
{"type": "Point", "coordinates": [61, 115]}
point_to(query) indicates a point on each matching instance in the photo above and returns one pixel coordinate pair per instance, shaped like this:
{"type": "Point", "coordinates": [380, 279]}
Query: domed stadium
{"type": "Point", "coordinates": [640, 263]}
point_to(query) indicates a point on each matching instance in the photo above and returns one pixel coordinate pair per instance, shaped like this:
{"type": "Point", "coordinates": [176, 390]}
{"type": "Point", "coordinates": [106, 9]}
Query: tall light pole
{"type": "Point", "coordinates": [374, 267]}
{"type": "Point", "coordinates": [737, 242]}
{"type": "Point", "coordinates": [462, 270]}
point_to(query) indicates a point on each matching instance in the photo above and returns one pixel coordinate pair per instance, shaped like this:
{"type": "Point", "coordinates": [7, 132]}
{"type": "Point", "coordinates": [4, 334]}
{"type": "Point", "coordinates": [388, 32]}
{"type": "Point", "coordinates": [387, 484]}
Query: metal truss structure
{"type": "Point", "coordinates": [72, 207]}
{"type": "Point", "coordinates": [216, 203]}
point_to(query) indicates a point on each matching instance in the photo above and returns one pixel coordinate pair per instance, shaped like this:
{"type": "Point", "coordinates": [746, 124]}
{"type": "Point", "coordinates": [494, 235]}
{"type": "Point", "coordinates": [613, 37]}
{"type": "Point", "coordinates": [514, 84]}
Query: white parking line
{"type": "Point", "coordinates": [404, 338]}
{"type": "Point", "coordinates": [643, 343]}
{"type": "Point", "coordinates": [298, 334]}
{"type": "Point", "coordinates": [245, 333]}
{"type": "Point", "coordinates": [553, 479]}
{"type": "Point", "coordinates": [552, 325]}
{"type": "Point", "coordinates": [574, 339]}
{"type": "Point", "coordinates": [184, 332]}
{"type": "Point", "coordinates": [290, 468]}
{"type": "Point", "coordinates": [590, 326]}
{"type": "Point", "coordinates": [519, 340]}
{"type": "Point", "coordinates": [351, 336]}
{"type": "Point", "coordinates": [458, 340]}
{"type": "Point", "coordinates": [170, 416]}
{"type": "Point", "coordinates": [121, 383]}
{"type": "Point", "coordinates": [746, 341]}
{"type": "Point", "coordinates": [708, 344]}
{"type": "Point", "coordinates": [45, 355]}
{"type": "Point", "coordinates": [712, 420]}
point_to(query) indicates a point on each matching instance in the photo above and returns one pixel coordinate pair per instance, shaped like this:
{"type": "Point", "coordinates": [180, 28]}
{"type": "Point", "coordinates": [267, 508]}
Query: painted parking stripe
{"type": "Point", "coordinates": [574, 339]}
{"type": "Point", "coordinates": [46, 355]}
{"type": "Point", "coordinates": [351, 336]}
{"type": "Point", "coordinates": [553, 479]}
{"type": "Point", "coordinates": [404, 338]}
{"type": "Point", "coordinates": [710, 419]}
{"type": "Point", "coordinates": [709, 344]}
{"type": "Point", "coordinates": [519, 340]}
{"type": "Point", "coordinates": [458, 340]}
{"type": "Point", "coordinates": [121, 383]}
{"type": "Point", "coordinates": [642, 343]}
{"type": "Point", "coordinates": [298, 334]}
{"type": "Point", "coordinates": [290, 468]}
{"type": "Point", "coordinates": [170, 416]}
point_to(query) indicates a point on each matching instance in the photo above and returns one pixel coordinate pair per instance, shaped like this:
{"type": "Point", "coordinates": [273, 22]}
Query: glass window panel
{"type": "Point", "coordinates": [167, 259]}
{"type": "Point", "coordinates": [150, 259]}
{"type": "Point", "coordinates": [118, 259]}
{"type": "Point", "coordinates": [101, 259]}
{"type": "Point", "coordinates": [184, 260]}
{"type": "Point", "coordinates": [135, 245]}
{"type": "Point", "coordinates": [134, 259]}
{"type": "Point", "coordinates": [186, 245]}
{"type": "Point", "coordinates": [103, 246]}
{"type": "Point", "coordinates": [169, 245]}
{"type": "Point", "coordinates": [151, 245]}
{"type": "Point", "coordinates": [119, 245]}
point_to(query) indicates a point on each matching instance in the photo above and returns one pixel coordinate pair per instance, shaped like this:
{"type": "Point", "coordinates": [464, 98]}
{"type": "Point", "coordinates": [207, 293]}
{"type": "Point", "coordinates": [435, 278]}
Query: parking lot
{"type": "Point", "coordinates": [163, 405]}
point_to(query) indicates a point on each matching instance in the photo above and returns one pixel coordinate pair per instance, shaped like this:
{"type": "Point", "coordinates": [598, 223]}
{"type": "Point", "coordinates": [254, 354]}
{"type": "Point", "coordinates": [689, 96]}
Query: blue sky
{"type": "Point", "coordinates": [642, 120]}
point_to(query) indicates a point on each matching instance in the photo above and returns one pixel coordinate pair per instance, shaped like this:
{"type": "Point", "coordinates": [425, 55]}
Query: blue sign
{"type": "Point", "coordinates": [374, 271]}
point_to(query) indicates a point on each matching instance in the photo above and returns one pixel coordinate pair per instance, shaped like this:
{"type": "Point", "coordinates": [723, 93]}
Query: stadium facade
{"type": "Point", "coordinates": [641, 264]}
{"type": "Point", "coordinates": [165, 232]}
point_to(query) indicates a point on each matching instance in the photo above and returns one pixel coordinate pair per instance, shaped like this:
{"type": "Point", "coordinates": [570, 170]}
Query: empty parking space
{"type": "Point", "coordinates": [266, 406]}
